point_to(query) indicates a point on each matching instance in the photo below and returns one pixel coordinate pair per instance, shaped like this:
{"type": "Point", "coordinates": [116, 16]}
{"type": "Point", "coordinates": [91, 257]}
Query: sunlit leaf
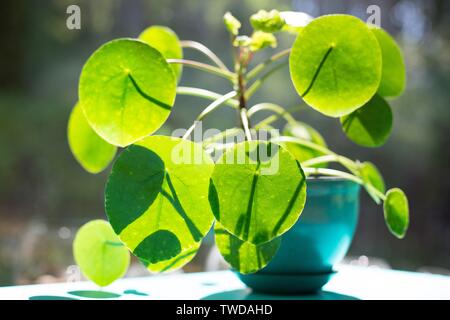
{"type": "Point", "coordinates": [396, 212]}
{"type": "Point", "coordinates": [258, 191]}
{"type": "Point", "coordinates": [303, 131]}
{"type": "Point", "coordinates": [126, 90]}
{"type": "Point", "coordinates": [157, 197]}
{"type": "Point", "coordinates": [165, 41]}
{"type": "Point", "coordinates": [92, 152]}
{"type": "Point", "coordinates": [175, 263]}
{"type": "Point", "coordinates": [244, 257]}
{"type": "Point", "coordinates": [335, 64]}
{"type": "Point", "coordinates": [393, 76]}
{"type": "Point", "coordinates": [370, 125]}
{"type": "Point", "coordinates": [371, 176]}
{"type": "Point", "coordinates": [99, 253]}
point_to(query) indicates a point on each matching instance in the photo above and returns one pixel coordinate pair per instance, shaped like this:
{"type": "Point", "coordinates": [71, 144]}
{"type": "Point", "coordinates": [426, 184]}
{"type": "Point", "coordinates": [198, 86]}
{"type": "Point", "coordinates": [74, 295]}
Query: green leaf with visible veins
{"type": "Point", "coordinates": [126, 90]}
{"type": "Point", "coordinates": [396, 212]}
{"type": "Point", "coordinates": [157, 197]}
{"type": "Point", "coordinates": [393, 75]}
{"type": "Point", "coordinates": [244, 256]}
{"type": "Point", "coordinates": [99, 253]}
{"type": "Point", "coordinates": [303, 131]}
{"type": "Point", "coordinates": [92, 152]}
{"type": "Point", "coordinates": [335, 64]}
{"type": "Point", "coordinates": [258, 191]}
{"type": "Point", "coordinates": [165, 41]}
{"type": "Point", "coordinates": [175, 263]}
{"type": "Point", "coordinates": [370, 125]}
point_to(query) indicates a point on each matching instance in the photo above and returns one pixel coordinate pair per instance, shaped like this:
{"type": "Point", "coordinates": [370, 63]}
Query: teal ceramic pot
{"type": "Point", "coordinates": [319, 240]}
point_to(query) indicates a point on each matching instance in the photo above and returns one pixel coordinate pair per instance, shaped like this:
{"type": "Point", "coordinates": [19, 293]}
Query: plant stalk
{"type": "Point", "coordinates": [344, 175]}
{"type": "Point", "coordinates": [203, 93]}
{"type": "Point", "coordinates": [206, 51]}
{"type": "Point", "coordinates": [263, 65]}
{"type": "Point", "coordinates": [258, 83]}
{"type": "Point", "coordinates": [204, 67]}
{"type": "Point", "coordinates": [210, 108]}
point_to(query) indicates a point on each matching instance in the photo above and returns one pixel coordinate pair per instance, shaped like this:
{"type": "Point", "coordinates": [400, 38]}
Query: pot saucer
{"type": "Point", "coordinates": [286, 283]}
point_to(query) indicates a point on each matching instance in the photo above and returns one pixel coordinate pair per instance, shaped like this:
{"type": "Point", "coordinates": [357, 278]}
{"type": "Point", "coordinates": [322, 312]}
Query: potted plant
{"type": "Point", "coordinates": [164, 193]}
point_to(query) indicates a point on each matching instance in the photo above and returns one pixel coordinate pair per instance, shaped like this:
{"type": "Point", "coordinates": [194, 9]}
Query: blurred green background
{"type": "Point", "coordinates": [45, 195]}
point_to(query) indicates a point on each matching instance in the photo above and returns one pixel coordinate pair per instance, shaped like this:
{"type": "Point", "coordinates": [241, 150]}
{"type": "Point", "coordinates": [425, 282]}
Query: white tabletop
{"type": "Point", "coordinates": [349, 283]}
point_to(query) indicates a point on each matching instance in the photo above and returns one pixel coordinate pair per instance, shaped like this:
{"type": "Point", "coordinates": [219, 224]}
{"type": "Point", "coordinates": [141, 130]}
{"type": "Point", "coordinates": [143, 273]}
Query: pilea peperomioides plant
{"type": "Point", "coordinates": [161, 207]}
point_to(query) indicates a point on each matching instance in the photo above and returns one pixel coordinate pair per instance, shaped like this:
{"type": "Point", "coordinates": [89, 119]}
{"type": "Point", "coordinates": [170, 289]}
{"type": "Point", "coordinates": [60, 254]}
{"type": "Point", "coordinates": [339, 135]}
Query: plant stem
{"type": "Point", "coordinates": [260, 67]}
{"type": "Point", "coordinates": [203, 93]}
{"type": "Point", "coordinates": [258, 83]}
{"type": "Point", "coordinates": [241, 90]}
{"type": "Point", "coordinates": [332, 172]}
{"type": "Point", "coordinates": [271, 107]}
{"type": "Point", "coordinates": [329, 156]}
{"type": "Point", "coordinates": [210, 108]}
{"type": "Point", "coordinates": [217, 103]}
{"type": "Point", "coordinates": [347, 163]}
{"type": "Point", "coordinates": [305, 143]}
{"type": "Point", "coordinates": [206, 51]}
{"type": "Point", "coordinates": [204, 67]}
{"type": "Point", "coordinates": [344, 175]}
{"type": "Point", "coordinates": [245, 124]}
{"type": "Point", "coordinates": [222, 135]}
{"type": "Point", "coordinates": [274, 117]}
{"type": "Point", "coordinates": [241, 61]}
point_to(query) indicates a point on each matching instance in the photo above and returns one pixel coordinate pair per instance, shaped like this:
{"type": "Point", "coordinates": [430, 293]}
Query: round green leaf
{"type": "Point", "coordinates": [303, 131]}
{"type": "Point", "coordinates": [396, 212]}
{"type": "Point", "coordinates": [258, 191]}
{"type": "Point", "coordinates": [371, 176]}
{"type": "Point", "coordinates": [157, 197]}
{"type": "Point", "coordinates": [183, 258]}
{"type": "Point", "coordinates": [165, 41]}
{"type": "Point", "coordinates": [244, 256]}
{"type": "Point", "coordinates": [126, 91]}
{"type": "Point", "coordinates": [335, 64]}
{"type": "Point", "coordinates": [393, 75]}
{"type": "Point", "coordinates": [370, 125]}
{"type": "Point", "coordinates": [99, 253]}
{"type": "Point", "coordinates": [92, 152]}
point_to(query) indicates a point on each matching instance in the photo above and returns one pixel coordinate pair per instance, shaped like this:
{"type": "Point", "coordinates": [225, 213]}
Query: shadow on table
{"type": "Point", "coordinates": [90, 294]}
{"type": "Point", "coordinates": [246, 294]}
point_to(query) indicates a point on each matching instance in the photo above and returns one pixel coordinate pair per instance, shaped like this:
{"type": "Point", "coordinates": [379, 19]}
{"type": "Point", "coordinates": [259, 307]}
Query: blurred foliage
{"type": "Point", "coordinates": [40, 62]}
